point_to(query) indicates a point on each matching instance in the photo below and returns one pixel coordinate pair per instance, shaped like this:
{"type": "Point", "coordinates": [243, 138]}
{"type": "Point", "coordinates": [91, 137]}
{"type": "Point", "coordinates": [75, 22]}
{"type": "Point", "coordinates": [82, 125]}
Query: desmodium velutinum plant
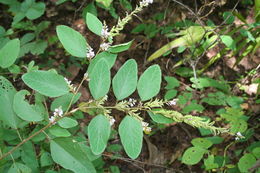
{"type": "Point", "coordinates": [69, 151]}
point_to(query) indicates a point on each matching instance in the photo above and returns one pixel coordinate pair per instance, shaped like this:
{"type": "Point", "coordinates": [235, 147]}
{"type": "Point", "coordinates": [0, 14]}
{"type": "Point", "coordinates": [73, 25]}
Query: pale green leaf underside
{"type": "Point", "coordinates": [46, 83]}
{"type": "Point", "coordinates": [23, 109]}
{"type": "Point", "coordinates": [70, 156]}
{"type": "Point", "coordinates": [131, 135]}
{"type": "Point", "coordinates": [149, 83]}
{"type": "Point", "coordinates": [125, 81]}
{"type": "Point", "coordinates": [94, 24]}
{"type": "Point", "coordinates": [72, 41]}
{"type": "Point", "coordinates": [98, 133]}
{"type": "Point", "coordinates": [99, 83]}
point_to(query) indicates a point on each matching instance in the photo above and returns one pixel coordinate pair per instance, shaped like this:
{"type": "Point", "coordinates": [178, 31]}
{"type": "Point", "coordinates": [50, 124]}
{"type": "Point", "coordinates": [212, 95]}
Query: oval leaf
{"type": "Point", "coordinates": [23, 109]}
{"type": "Point", "coordinates": [94, 24]}
{"type": "Point", "coordinates": [9, 53]}
{"type": "Point", "coordinates": [193, 155]}
{"type": "Point", "coordinates": [72, 41]}
{"type": "Point", "coordinates": [59, 132]}
{"type": "Point", "coordinates": [98, 133]}
{"type": "Point", "coordinates": [99, 83]}
{"type": "Point", "coordinates": [228, 41]}
{"type": "Point", "coordinates": [201, 142]}
{"type": "Point", "coordinates": [67, 122]}
{"type": "Point", "coordinates": [125, 81]}
{"type": "Point", "coordinates": [149, 83]}
{"type": "Point", "coordinates": [35, 10]}
{"type": "Point", "coordinates": [246, 162]}
{"type": "Point", "coordinates": [158, 118]}
{"type": "Point", "coordinates": [120, 47]}
{"type": "Point", "coordinates": [70, 155]}
{"type": "Point", "coordinates": [131, 135]}
{"type": "Point", "coordinates": [46, 83]}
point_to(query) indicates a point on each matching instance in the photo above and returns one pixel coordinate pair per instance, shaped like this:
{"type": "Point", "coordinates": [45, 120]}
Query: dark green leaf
{"type": "Point", "coordinates": [69, 154]}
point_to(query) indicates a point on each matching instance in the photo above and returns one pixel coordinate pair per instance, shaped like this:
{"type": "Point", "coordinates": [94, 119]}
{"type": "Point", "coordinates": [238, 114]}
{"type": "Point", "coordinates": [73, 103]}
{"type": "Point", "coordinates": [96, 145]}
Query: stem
{"type": "Point", "coordinates": [67, 113]}
{"type": "Point", "coordinates": [225, 153]}
{"type": "Point", "coordinates": [24, 141]}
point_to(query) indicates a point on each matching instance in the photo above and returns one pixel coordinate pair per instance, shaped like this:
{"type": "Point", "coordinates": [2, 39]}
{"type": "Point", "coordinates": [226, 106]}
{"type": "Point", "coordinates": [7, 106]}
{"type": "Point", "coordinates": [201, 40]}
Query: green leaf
{"type": "Point", "coordinates": [9, 53]}
{"type": "Point", "coordinates": [193, 106]}
{"type": "Point", "coordinates": [120, 47]}
{"type": "Point", "coordinates": [126, 4]}
{"type": "Point", "coordinates": [201, 142]}
{"type": "Point", "coordinates": [46, 159]}
{"type": "Point", "coordinates": [184, 71]}
{"type": "Point", "coordinates": [19, 167]}
{"type": "Point", "coordinates": [158, 118]}
{"type": "Point", "coordinates": [131, 135]}
{"type": "Point", "coordinates": [215, 139]}
{"type": "Point", "coordinates": [210, 163]}
{"type": "Point", "coordinates": [172, 82]}
{"type": "Point", "coordinates": [86, 149]}
{"type": "Point", "coordinates": [90, 8]}
{"type": "Point", "coordinates": [64, 101]}
{"type": "Point", "coordinates": [108, 57]}
{"type": "Point", "coordinates": [70, 156]}
{"type": "Point", "coordinates": [217, 98]}
{"type": "Point", "coordinates": [59, 132]}
{"type": "Point", "coordinates": [246, 162]}
{"type": "Point", "coordinates": [98, 133]}
{"type": "Point", "coordinates": [238, 125]}
{"type": "Point", "coordinates": [139, 28]}
{"type": "Point", "coordinates": [23, 109]}
{"type": "Point", "coordinates": [67, 122]}
{"type": "Point", "coordinates": [7, 114]}
{"type": "Point", "coordinates": [190, 36]}
{"type": "Point", "coordinates": [228, 41]}
{"type": "Point", "coordinates": [228, 17]}
{"type": "Point", "coordinates": [99, 83]}
{"type": "Point", "coordinates": [184, 98]}
{"type": "Point", "coordinates": [149, 83]}
{"type": "Point", "coordinates": [72, 41]}
{"type": "Point", "coordinates": [193, 155]}
{"type": "Point", "coordinates": [170, 94]}
{"type": "Point", "coordinates": [125, 81]}
{"type": "Point", "coordinates": [35, 10]}
{"type": "Point", "coordinates": [208, 82]}
{"type": "Point", "coordinates": [28, 156]}
{"type": "Point", "coordinates": [94, 24]}
{"type": "Point", "coordinates": [46, 83]}
{"type": "Point", "coordinates": [256, 152]}
{"type": "Point", "coordinates": [106, 3]}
